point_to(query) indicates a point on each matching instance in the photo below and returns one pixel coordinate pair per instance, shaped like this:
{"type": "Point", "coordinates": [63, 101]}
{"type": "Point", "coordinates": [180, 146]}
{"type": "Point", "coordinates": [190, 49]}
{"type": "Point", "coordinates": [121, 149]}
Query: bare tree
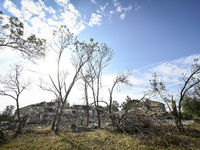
{"type": "Point", "coordinates": [13, 86]}
{"type": "Point", "coordinates": [64, 40]}
{"type": "Point", "coordinates": [94, 69]}
{"type": "Point", "coordinates": [121, 79]}
{"type": "Point", "coordinates": [84, 87]}
{"type": "Point", "coordinates": [12, 36]}
{"type": "Point", "coordinates": [188, 82]}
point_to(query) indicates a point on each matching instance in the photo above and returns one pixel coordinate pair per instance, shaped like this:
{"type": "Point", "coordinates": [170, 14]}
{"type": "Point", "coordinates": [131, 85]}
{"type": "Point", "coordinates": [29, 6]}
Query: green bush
{"type": "Point", "coordinates": [186, 116]}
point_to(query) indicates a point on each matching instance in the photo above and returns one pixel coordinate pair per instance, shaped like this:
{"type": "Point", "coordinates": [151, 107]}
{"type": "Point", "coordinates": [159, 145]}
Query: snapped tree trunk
{"type": "Point", "coordinates": [177, 117]}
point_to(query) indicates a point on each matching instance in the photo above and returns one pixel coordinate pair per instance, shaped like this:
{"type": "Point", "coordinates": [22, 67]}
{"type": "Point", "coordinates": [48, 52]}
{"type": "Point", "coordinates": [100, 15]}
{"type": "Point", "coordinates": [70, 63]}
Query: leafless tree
{"type": "Point", "coordinates": [93, 71]}
{"type": "Point", "coordinates": [84, 87]}
{"type": "Point", "coordinates": [13, 85]}
{"type": "Point", "coordinates": [121, 79]}
{"type": "Point", "coordinates": [62, 41]}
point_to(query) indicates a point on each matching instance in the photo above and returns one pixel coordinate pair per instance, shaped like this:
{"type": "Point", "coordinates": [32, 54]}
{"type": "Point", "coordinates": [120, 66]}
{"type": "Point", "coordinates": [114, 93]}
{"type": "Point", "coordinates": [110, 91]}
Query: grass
{"type": "Point", "coordinates": [2, 122]}
{"type": "Point", "coordinates": [98, 140]}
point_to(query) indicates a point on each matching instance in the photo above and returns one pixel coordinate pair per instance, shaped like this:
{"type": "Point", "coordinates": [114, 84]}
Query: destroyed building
{"type": "Point", "coordinates": [37, 111]}
{"type": "Point", "coordinates": [45, 111]}
{"type": "Point", "coordinates": [151, 107]}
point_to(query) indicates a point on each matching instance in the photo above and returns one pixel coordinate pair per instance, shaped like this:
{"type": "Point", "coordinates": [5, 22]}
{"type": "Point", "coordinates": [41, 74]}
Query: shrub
{"type": "Point", "coordinates": [186, 116]}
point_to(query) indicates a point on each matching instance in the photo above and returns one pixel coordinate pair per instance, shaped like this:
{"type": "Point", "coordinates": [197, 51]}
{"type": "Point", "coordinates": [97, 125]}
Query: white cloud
{"type": "Point", "coordinates": [137, 81]}
{"type": "Point", "coordinates": [102, 8]}
{"type": "Point", "coordinates": [186, 60]}
{"type": "Point", "coordinates": [50, 21]}
{"type": "Point", "coordinates": [69, 15]}
{"type": "Point", "coordinates": [37, 23]}
{"type": "Point", "coordinates": [62, 2]}
{"type": "Point", "coordinates": [95, 20]}
{"type": "Point", "coordinates": [115, 3]}
{"type": "Point", "coordinates": [122, 16]}
{"type": "Point", "coordinates": [37, 8]}
{"type": "Point", "coordinates": [12, 8]}
{"type": "Point", "coordinates": [69, 18]}
{"type": "Point", "coordinates": [137, 7]}
{"type": "Point", "coordinates": [42, 15]}
{"type": "Point", "coordinates": [169, 71]}
{"type": "Point", "coordinates": [55, 17]}
{"type": "Point", "coordinates": [98, 11]}
{"type": "Point", "coordinates": [127, 8]}
{"type": "Point", "coordinates": [78, 28]}
{"type": "Point", "coordinates": [93, 1]}
{"type": "Point", "coordinates": [27, 15]}
{"type": "Point", "coordinates": [31, 7]}
{"type": "Point", "coordinates": [119, 9]}
{"type": "Point", "coordinates": [28, 29]}
{"type": "Point", "coordinates": [43, 6]}
{"type": "Point", "coordinates": [112, 12]}
{"type": "Point", "coordinates": [46, 32]}
{"type": "Point", "coordinates": [72, 9]}
{"type": "Point", "coordinates": [51, 10]}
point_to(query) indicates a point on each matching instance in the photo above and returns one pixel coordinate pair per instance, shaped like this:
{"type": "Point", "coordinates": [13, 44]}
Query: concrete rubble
{"type": "Point", "coordinates": [44, 113]}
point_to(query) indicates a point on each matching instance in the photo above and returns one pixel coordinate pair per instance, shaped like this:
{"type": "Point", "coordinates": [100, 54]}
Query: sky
{"type": "Point", "coordinates": [148, 36]}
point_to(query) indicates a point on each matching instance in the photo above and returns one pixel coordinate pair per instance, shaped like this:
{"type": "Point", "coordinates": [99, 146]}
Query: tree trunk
{"type": "Point", "coordinates": [99, 118]}
{"type": "Point", "coordinates": [18, 131]}
{"type": "Point", "coordinates": [87, 104]}
{"type": "Point", "coordinates": [111, 116]}
{"type": "Point", "coordinates": [18, 113]}
{"type": "Point", "coordinates": [177, 118]}
{"type": "Point", "coordinates": [54, 120]}
{"type": "Point", "coordinates": [88, 115]}
{"type": "Point", "coordinates": [56, 115]}
{"type": "Point", "coordinates": [59, 119]}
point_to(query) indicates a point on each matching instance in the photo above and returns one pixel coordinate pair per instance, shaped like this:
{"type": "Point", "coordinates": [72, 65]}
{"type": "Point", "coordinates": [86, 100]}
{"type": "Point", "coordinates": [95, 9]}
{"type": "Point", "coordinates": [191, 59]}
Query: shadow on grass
{"type": "Point", "coordinates": [74, 143]}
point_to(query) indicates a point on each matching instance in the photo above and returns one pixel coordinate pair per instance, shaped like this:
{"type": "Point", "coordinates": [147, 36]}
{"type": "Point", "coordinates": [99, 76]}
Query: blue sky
{"type": "Point", "coordinates": [148, 36]}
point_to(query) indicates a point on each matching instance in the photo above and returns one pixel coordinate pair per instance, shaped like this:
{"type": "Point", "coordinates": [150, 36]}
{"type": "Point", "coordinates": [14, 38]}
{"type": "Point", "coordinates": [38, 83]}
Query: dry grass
{"type": "Point", "coordinates": [99, 140]}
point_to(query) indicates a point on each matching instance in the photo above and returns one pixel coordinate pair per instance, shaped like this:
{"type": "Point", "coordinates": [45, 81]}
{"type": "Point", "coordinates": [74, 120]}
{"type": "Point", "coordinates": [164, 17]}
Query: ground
{"type": "Point", "coordinates": [101, 139]}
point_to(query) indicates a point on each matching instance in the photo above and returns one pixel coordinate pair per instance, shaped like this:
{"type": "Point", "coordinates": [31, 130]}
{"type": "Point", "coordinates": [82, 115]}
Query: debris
{"type": "Point", "coordinates": [94, 126]}
{"type": "Point", "coordinates": [74, 128]}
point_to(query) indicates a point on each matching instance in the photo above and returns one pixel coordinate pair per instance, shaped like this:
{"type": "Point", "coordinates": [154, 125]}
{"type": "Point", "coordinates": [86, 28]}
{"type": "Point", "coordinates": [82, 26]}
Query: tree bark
{"type": "Point", "coordinates": [56, 115]}
{"type": "Point", "coordinates": [59, 119]}
{"type": "Point", "coordinates": [177, 117]}
{"type": "Point", "coordinates": [87, 104]}
{"type": "Point", "coordinates": [99, 117]}
{"type": "Point", "coordinates": [18, 131]}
